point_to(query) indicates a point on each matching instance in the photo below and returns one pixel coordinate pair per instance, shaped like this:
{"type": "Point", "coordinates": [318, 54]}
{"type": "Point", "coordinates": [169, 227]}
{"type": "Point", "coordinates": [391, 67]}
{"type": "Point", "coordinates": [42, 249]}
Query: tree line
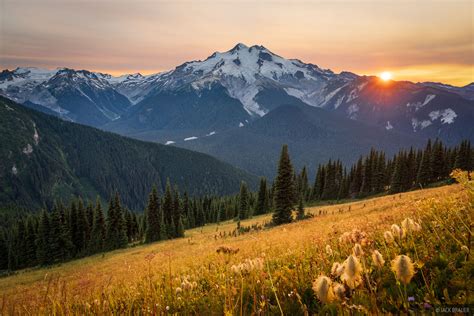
{"type": "Point", "coordinates": [80, 229]}
{"type": "Point", "coordinates": [371, 174]}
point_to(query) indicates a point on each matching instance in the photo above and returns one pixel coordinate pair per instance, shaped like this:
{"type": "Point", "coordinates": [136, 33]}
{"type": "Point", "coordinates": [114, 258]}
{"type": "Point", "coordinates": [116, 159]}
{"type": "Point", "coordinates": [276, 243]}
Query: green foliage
{"type": "Point", "coordinates": [153, 217]}
{"type": "Point", "coordinates": [284, 189]}
{"type": "Point", "coordinates": [66, 160]}
{"type": "Point", "coordinates": [243, 202]}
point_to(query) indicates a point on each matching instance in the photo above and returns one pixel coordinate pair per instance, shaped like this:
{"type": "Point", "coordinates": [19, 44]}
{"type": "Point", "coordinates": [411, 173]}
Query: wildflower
{"type": "Point", "coordinates": [377, 259]}
{"type": "Point", "coordinates": [411, 298]}
{"type": "Point", "coordinates": [322, 288]}
{"type": "Point", "coordinates": [186, 285]}
{"type": "Point", "coordinates": [397, 231]}
{"type": "Point", "coordinates": [247, 266]}
{"type": "Point", "coordinates": [388, 237]}
{"type": "Point", "coordinates": [407, 224]}
{"type": "Point", "coordinates": [328, 250]}
{"type": "Point", "coordinates": [178, 290]}
{"type": "Point", "coordinates": [357, 250]}
{"type": "Point", "coordinates": [417, 227]}
{"type": "Point", "coordinates": [465, 249]}
{"type": "Point", "coordinates": [403, 268]}
{"type": "Point", "coordinates": [345, 238]}
{"type": "Point", "coordinates": [410, 226]}
{"type": "Point", "coordinates": [352, 270]}
{"type": "Point", "coordinates": [337, 269]}
{"type": "Point", "coordinates": [167, 308]}
{"type": "Point", "coordinates": [339, 291]}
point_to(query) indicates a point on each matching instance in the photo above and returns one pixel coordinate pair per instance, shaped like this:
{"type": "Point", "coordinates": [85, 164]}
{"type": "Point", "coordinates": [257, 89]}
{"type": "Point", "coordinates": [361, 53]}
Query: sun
{"type": "Point", "coordinates": [386, 76]}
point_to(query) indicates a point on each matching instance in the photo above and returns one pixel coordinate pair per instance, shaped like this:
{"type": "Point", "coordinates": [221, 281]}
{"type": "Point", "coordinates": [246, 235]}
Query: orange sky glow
{"type": "Point", "coordinates": [424, 40]}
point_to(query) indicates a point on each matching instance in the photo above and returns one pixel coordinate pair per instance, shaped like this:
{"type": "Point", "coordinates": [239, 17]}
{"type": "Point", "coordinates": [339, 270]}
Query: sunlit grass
{"type": "Point", "coordinates": [273, 269]}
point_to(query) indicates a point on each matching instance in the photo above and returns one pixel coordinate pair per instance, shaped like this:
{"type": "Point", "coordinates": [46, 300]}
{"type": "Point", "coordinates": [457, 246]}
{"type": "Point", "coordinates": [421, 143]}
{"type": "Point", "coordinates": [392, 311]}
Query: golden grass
{"type": "Point", "coordinates": [124, 272]}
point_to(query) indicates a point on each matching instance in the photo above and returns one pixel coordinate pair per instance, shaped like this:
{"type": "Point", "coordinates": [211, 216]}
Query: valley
{"type": "Point", "coordinates": [235, 102]}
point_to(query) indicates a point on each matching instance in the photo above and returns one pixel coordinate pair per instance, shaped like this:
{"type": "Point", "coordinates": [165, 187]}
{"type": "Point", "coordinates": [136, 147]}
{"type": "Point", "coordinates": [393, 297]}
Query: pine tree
{"type": "Point", "coordinates": [99, 232]}
{"type": "Point", "coordinates": [397, 178]}
{"type": "Point", "coordinates": [177, 211]}
{"type": "Point", "coordinates": [318, 184]}
{"type": "Point", "coordinates": [60, 241]}
{"type": "Point", "coordinates": [424, 170]}
{"type": "Point", "coordinates": [262, 200]}
{"type": "Point", "coordinates": [304, 186]}
{"type": "Point", "coordinates": [30, 242]}
{"type": "Point", "coordinates": [116, 229]}
{"type": "Point", "coordinates": [180, 228]}
{"type": "Point", "coordinates": [463, 157]}
{"type": "Point", "coordinates": [437, 161]}
{"type": "Point", "coordinates": [42, 243]}
{"type": "Point", "coordinates": [300, 212]}
{"type": "Point", "coordinates": [20, 245]}
{"type": "Point", "coordinates": [243, 201]}
{"type": "Point", "coordinates": [167, 207]}
{"type": "Point", "coordinates": [3, 251]}
{"type": "Point", "coordinates": [153, 216]}
{"type": "Point", "coordinates": [356, 182]}
{"type": "Point", "coordinates": [82, 228]}
{"type": "Point", "coordinates": [284, 190]}
{"type": "Point", "coordinates": [367, 176]}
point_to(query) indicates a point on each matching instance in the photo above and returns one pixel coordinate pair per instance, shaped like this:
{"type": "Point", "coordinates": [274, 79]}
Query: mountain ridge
{"type": "Point", "coordinates": [232, 89]}
{"type": "Point", "coordinates": [44, 158]}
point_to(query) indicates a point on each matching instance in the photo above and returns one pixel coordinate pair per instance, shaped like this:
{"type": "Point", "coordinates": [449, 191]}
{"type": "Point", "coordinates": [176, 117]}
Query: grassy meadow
{"type": "Point", "coordinates": [342, 260]}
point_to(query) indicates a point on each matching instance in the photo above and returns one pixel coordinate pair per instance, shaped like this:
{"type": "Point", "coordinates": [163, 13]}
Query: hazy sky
{"type": "Point", "coordinates": [414, 39]}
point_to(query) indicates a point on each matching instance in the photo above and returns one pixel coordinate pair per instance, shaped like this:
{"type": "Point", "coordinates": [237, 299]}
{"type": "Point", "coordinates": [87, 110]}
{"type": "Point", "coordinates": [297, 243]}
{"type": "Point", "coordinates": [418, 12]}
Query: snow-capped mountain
{"type": "Point", "coordinates": [244, 72]}
{"type": "Point", "coordinates": [425, 111]}
{"type": "Point", "coordinates": [76, 95]}
{"type": "Point", "coordinates": [224, 91]}
{"type": "Point", "coordinates": [231, 89]}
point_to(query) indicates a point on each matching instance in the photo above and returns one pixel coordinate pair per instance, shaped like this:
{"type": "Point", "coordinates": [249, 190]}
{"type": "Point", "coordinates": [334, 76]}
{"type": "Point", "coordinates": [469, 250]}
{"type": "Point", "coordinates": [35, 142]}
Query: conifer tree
{"type": "Point", "coordinates": [177, 211]}
{"type": "Point", "coordinates": [98, 234]}
{"type": "Point", "coordinates": [60, 241]}
{"type": "Point", "coordinates": [396, 184]}
{"type": "Point", "coordinates": [80, 239]}
{"type": "Point", "coordinates": [153, 216]}
{"type": "Point", "coordinates": [42, 243]}
{"type": "Point", "coordinates": [163, 228]}
{"type": "Point", "coordinates": [437, 161]}
{"type": "Point", "coordinates": [21, 248]}
{"type": "Point", "coordinates": [463, 157]}
{"type": "Point", "coordinates": [3, 251]}
{"type": "Point", "coordinates": [284, 190]}
{"type": "Point", "coordinates": [356, 182]}
{"type": "Point", "coordinates": [318, 184]}
{"type": "Point", "coordinates": [300, 211]}
{"type": "Point", "coordinates": [304, 186]}
{"type": "Point", "coordinates": [243, 201]}
{"type": "Point", "coordinates": [167, 206]}
{"type": "Point", "coordinates": [424, 170]}
{"type": "Point", "coordinates": [262, 200]}
{"type": "Point", "coordinates": [180, 228]}
{"type": "Point", "coordinates": [116, 230]}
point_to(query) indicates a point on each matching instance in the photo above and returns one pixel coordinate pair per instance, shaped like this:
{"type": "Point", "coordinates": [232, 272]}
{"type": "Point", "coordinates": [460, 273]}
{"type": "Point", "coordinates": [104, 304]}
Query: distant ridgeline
{"type": "Point", "coordinates": [44, 158]}
{"type": "Point", "coordinates": [80, 229]}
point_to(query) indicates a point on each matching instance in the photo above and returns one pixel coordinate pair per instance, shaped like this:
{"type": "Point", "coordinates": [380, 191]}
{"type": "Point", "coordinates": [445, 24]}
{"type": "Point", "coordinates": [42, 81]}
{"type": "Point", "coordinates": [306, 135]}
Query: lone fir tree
{"type": "Point", "coordinates": [153, 217]}
{"type": "Point", "coordinates": [284, 190]}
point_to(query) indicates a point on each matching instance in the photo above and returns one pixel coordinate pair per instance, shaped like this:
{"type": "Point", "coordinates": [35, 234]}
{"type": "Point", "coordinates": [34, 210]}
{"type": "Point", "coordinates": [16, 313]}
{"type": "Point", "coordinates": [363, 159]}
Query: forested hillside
{"type": "Point", "coordinates": [43, 158]}
{"type": "Point", "coordinates": [82, 228]}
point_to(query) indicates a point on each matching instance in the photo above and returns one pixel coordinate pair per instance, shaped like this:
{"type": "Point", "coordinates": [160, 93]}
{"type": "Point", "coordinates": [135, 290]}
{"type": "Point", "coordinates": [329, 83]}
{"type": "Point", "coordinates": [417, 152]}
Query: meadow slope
{"type": "Point", "coordinates": [272, 271]}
